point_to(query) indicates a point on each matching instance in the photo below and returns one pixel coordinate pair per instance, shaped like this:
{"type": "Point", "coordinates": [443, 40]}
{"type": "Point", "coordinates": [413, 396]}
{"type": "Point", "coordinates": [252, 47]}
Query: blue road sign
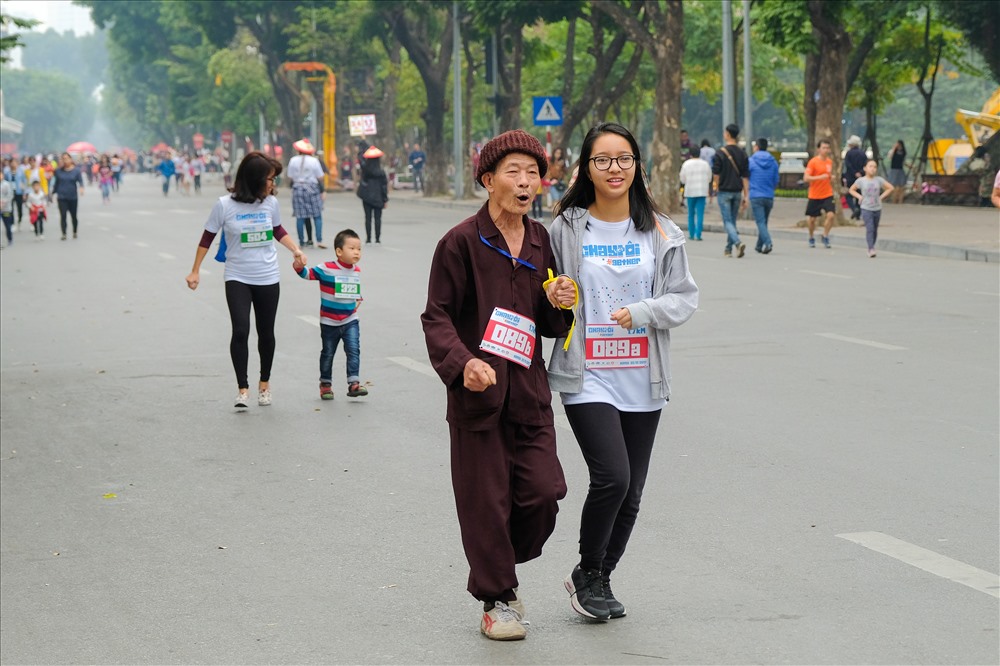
{"type": "Point", "coordinates": [547, 110]}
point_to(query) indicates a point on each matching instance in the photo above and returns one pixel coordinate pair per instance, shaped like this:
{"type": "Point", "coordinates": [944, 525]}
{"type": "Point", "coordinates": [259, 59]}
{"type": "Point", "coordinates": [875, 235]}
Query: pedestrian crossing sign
{"type": "Point", "coordinates": [547, 110]}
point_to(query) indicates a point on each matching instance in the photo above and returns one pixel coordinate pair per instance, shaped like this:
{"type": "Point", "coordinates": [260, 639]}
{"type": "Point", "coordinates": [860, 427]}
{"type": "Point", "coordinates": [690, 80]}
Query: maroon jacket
{"type": "Point", "coordinates": [468, 279]}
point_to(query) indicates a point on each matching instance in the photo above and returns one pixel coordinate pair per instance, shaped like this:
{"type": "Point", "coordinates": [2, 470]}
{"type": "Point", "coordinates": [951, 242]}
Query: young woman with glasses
{"type": "Point", "coordinates": [632, 283]}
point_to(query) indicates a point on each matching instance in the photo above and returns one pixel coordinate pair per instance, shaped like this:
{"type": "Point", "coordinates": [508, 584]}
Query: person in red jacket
{"type": "Point", "coordinates": [485, 315]}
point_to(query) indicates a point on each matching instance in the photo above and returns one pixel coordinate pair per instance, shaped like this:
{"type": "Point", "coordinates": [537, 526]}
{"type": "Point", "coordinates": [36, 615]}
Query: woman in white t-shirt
{"type": "Point", "coordinates": [629, 268]}
{"type": "Point", "coordinates": [250, 220]}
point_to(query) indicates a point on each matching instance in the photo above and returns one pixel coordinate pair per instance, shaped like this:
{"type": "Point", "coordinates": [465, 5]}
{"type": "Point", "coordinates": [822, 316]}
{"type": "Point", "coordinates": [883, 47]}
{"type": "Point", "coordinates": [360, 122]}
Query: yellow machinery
{"type": "Point", "coordinates": [947, 155]}
{"type": "Point", "coordinates": [328, 140]}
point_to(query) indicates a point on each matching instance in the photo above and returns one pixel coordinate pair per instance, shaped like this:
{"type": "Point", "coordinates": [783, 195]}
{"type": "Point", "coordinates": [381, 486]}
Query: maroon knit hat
{"type": "Point", "coordinates": [514, 141]}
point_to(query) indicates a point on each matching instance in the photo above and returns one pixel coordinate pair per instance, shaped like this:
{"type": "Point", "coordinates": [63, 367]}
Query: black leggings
{"type": "Point", "coordinates": [264, 299]}
{"type": "Point", "coordinates": [67, 206]}
{"type": "Point", "coordinates": [369, 209]}
{"type": "Point", "coordinates": [617, 446]}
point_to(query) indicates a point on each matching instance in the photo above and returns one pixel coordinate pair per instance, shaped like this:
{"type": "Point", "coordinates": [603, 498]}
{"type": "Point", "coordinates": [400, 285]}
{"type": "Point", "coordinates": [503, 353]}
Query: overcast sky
{"type": "Point", "coordinates": [60, 15]}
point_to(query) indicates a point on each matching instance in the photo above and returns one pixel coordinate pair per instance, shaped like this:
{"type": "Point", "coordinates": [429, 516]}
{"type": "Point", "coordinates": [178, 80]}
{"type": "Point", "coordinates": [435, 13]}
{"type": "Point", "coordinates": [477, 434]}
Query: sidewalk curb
{"type": "Point", "coordinates": [919, 248]}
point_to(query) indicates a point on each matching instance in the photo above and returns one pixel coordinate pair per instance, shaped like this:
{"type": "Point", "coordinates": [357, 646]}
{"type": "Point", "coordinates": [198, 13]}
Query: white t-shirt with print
{"type": "Point", "coordinates": [616, 270]}
{"type": "Point", "coordinates": [251, 257]}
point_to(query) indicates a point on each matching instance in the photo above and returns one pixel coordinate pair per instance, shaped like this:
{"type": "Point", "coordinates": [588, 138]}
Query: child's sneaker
{"type": "Point", "coordinates": [355, 390]}
{"type": "Point", "coordinates": [326, 391]}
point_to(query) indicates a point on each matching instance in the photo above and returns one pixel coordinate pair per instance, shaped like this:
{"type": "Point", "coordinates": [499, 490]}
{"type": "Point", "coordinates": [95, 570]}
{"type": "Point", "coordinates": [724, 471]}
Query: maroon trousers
{"type": "Point", "coordinates": [507, 482]}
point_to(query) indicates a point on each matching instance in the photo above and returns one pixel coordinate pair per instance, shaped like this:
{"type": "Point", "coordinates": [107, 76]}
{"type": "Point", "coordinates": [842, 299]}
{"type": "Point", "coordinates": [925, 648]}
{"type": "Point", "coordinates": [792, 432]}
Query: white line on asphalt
{"type": "Point", "coordinates": [833, 275]}
{"type": "Point", "coordinates": [859, 341]}
{"type": "Point", "coordinates": [985, 293]}
{"type": "Point", "coordinates": [309, 319]}
{"type": "Point", "coordinates": [412, 364]}
{"type": "Point", "coordinates": [142, 212]}
{"type": "Point", "coordinates": [141, 244]}
{"type": "Point", "coordinates": [928, 560]}
{"type": "Point", "coordinates": [122, 236]}
{"type": "Point", "coordinates": [164, 255]}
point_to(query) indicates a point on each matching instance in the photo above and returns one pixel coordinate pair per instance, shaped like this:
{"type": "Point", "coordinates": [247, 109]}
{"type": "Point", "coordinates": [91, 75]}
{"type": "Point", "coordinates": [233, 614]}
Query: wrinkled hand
{"type": "Point", "coordinates": [562, 292]}
{"type": "Point", "coordinates": [623, 317]}
{"type": "Point", "coordinates": [478, 375]}
{"type": "Point", "coordinates": [192, 280]}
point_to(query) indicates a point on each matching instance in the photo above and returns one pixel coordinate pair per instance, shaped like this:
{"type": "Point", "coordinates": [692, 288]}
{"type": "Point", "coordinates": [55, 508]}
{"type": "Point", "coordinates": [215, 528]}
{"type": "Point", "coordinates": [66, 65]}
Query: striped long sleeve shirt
{"type": "Point", "coordinates": [339, 289]}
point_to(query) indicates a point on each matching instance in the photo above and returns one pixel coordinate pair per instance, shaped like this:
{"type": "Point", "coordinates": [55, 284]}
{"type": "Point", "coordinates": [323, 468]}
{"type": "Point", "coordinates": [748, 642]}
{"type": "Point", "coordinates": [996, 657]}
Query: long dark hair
{"type": "Point", "coordinates": [581, 194]}
{"type": "Point", "coordinates": [250, 184]}
{"type": "Point", "coordinates": [902, 147]}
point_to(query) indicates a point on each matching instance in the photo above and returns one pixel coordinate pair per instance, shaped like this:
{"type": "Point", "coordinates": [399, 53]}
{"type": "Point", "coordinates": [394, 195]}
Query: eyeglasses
{"type": "Point", "coordinates": [603, 163]}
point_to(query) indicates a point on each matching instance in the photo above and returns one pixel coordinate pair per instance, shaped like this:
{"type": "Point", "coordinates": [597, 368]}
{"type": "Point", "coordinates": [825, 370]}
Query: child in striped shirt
{"type": "Point", "coordinates": [340, 296]}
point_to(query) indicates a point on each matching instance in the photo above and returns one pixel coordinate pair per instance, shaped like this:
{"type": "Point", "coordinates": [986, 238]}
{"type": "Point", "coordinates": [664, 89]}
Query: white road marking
{"type": "Point", "coordinates": [412, 364]}
{"type": "Point", "coordinates": [143, 212]}
{"type": "Point", "coordinates": [985, 293]}
{"type": "Point", "coordinates": [141, 244]}
{"type": "Point", "coordinates": [833, 275]}
{"type": "Point", "coordinates": [928, 560]}
{"type": "Point", "coordinates": [122, 236]}
{"type": "Point", "coordinates": [164, 255]}
{"type": "Point", "coordinates": [859, 341]}
{"type": "Point", "coordinates": [309, 319]}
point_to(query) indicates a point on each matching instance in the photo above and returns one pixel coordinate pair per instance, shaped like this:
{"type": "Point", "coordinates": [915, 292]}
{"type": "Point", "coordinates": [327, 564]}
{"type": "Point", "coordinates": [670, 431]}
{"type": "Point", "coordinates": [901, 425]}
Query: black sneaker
{"type": "Point", "coordinates": [615, 607]}
{"type": "Point", "coordinates": [586, 593]}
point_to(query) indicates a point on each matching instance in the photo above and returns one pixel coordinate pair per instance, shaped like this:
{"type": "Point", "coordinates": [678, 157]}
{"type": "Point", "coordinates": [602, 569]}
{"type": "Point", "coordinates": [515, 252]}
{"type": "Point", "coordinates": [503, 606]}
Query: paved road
{"type": "Point", "coordinates": [832, 416]}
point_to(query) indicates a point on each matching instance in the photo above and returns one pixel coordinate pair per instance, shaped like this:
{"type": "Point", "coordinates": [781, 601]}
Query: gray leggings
{"type": "Point", "coordinates": [871, 219]}
{"type": "Point", "coordinates": [617, 446]}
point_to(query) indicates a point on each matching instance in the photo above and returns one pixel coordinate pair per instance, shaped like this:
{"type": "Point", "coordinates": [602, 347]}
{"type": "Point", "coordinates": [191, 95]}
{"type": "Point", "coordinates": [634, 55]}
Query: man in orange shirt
{"type": "Point", "coordinates": [819, 175]}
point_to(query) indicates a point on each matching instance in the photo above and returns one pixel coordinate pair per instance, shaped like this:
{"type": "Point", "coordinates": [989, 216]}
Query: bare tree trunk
{"type": "Point", "coordinates": [510, 80]}
{"type": "Point", "coordinates": [431, 55]}
{"type": "Point", "coordinates": [569, 75]}
{"type": "Point", "coordinates": [834, 52]}
{"type": "Point", "coordinates": [809, 105]}
{"type": "Point", "coordinates": [387, 122]}
{"type": "Point", "coordinates": [470, 86]}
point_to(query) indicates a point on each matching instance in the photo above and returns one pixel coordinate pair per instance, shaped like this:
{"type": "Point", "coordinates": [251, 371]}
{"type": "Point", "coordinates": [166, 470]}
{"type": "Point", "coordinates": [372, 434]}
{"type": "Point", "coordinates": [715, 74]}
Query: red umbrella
{"type": "Point", "coordinates": [81, 147]}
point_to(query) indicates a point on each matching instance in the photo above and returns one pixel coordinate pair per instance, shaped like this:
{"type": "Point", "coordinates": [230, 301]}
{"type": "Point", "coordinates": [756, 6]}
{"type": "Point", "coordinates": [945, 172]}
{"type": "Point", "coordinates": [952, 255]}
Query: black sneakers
{"type": "Point", "coordinates": [586, 593]}
{"type": "Point", "coordinates": [615, 607]}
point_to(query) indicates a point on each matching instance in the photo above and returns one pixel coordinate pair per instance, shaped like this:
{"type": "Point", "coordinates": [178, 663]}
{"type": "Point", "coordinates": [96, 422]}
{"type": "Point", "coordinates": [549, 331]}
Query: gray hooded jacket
{"type": "Point", "coordinates": [675, 299]}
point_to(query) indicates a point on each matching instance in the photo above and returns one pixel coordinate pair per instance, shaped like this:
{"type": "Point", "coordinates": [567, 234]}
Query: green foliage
{"type": "Point", "coordinates": [51, 105]}
{"type": "Point", "coordinates": [10, 40]}
{"type": "Point", "coordinates": [977, 20]}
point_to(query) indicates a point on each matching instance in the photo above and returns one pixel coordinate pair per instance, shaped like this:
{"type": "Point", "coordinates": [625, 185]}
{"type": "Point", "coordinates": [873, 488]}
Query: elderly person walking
{"type": "Point", "coordinates": [485, 315]}
{"type": "Point", "coordinates": [306, 174]}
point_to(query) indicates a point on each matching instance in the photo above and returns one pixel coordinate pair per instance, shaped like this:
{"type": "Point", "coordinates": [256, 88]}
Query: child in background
{"type": "Point", "coordinates": [340, 296]}
{"type": "Point", "coordinates": [106, 176]}
{"type": "Point", "coordinates": [869, 191]}
{"type": "Point", "coordinates": [37, 200]}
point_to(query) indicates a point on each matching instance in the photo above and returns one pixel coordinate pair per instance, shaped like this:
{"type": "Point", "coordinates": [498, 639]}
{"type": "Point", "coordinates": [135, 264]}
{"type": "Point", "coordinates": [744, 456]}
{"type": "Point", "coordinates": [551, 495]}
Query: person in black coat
{"type": "Point", "coordinates": [373, 192]}
{"type": "Point", "coordinates": [854, 167]}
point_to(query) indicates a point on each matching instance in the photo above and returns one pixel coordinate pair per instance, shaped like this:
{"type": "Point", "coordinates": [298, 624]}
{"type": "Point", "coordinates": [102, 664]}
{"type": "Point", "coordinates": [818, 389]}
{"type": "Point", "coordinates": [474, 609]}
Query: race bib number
{"type": "Point", "coordinates": [347, 286]}
{"type": "Point", "coordinates": [511, 336]}
{"type": "Point", "coordinates": [610, 346]}
{"type": "Point", "coordinates": [256, 235]}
